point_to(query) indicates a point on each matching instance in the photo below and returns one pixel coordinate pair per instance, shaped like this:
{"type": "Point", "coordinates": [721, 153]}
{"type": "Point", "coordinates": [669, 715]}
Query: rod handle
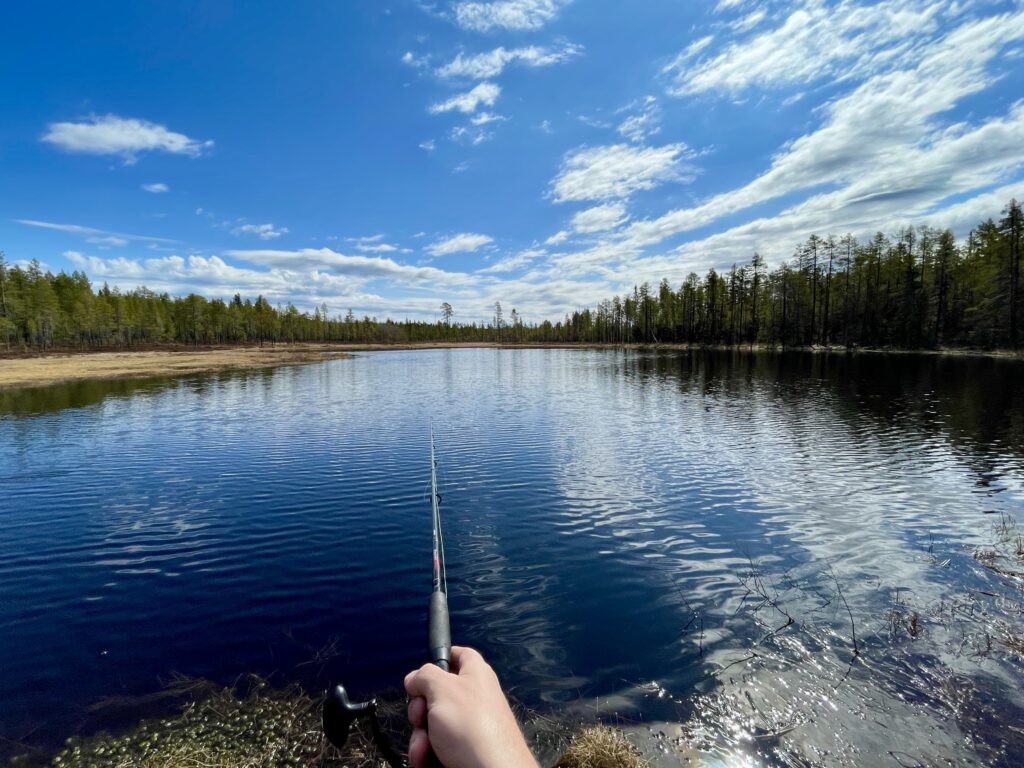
{"type": "Point", "coordinates": [440, 632]}
{"type": "Point", "coordinates": [440, 646]}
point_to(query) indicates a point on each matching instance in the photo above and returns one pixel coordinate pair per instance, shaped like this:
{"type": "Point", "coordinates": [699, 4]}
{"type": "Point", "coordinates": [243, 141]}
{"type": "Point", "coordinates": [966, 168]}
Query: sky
{"type": "Point", "coordinates": [385, 156]}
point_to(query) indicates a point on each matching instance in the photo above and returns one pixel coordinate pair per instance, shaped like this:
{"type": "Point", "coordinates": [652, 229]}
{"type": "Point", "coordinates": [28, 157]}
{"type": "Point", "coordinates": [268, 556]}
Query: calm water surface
{"type": "Point", "coordinates": [739, 542]}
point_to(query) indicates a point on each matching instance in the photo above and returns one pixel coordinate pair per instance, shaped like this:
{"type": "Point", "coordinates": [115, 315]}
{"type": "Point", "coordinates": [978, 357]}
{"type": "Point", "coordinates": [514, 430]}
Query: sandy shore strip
{"type": "Point", "coordinates": [53, 369]}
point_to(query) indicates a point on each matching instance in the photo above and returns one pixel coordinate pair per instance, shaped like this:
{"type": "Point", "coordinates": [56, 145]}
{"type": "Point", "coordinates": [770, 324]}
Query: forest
{"type": "Point", "coordinates": [915, 289]}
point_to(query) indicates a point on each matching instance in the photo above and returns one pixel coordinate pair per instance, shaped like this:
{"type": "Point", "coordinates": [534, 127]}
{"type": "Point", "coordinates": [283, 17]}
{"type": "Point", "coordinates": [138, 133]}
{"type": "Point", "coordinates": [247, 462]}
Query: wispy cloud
{"type": "Point", "coordinates": [600, 218]}
{"type": "Point", "coordinates": [91, 232]}
{"type": "Point", "coordinates": [485, 93]}
{"type": "Point", "coordinates": [262, 231]}
{"type": "Point", "coordinates": [516, 15]}
{"type": "Point", "coordinates": [482, 66]}
{"type": "Point", "coordinates": [619, 170]}
{"type": "Point", "coordinates": [466, 242]}
{"type": "Point", "coordinates": [485, 118]}
{"type": "Point", "coordinates": [126, 137]}
{"type": "Point", "coordinates": [376, 244]}
{"type": "Point", "coordinates": [362, 267]}
{"type": "Point", "coordinates": [514, 262]}
{"type": "Point", "coordinates": [644, 120]}
{"type": "Point", "coordinates": [156, 188]}
{"type": "Point", "coordinates": [817, 40]}
{"type": "Point", "coordinates": [463, 134]}
{"type": "Point", "coordinates": [883, 135]}
{"type": "Point", "coordinates": [415, 61]}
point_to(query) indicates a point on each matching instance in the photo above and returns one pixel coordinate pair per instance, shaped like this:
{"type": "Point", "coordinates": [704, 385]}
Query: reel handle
{"type": "Point", "coordinates": [340, 713]}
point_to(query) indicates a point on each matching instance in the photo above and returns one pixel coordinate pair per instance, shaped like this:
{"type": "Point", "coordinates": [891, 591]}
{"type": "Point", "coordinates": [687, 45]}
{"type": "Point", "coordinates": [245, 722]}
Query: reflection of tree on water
{"type": "Point", "coordinates": [974, 404]}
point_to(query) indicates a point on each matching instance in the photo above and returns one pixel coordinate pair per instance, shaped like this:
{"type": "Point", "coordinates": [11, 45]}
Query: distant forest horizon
{"type": "Point", "coordinates": [918, 288]}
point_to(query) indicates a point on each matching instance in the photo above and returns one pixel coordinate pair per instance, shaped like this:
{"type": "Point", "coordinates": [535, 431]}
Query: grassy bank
{"type": "Point", "coordinates": [257, 726]}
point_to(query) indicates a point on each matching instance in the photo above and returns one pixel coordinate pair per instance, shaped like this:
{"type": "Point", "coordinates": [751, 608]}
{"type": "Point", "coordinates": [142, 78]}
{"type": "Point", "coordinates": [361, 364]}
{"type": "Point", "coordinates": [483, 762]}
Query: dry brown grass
{"type": "Point", "coordinates": [53, 369]}
{"type": "Point", "coordinates": [601, 747]}
{"type": "Point", "coordinates": [257, 727]}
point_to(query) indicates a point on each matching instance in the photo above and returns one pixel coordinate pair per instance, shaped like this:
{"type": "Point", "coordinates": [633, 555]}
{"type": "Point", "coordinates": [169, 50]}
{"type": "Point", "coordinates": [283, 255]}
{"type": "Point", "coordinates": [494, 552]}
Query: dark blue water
{"type": "Point", "coordinates": [606, 514]}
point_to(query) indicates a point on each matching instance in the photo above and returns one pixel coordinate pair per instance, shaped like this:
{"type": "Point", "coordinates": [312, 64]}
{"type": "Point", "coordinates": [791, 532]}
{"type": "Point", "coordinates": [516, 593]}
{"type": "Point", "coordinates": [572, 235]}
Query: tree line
{"type": "Point", "coordinates": [918, 288]}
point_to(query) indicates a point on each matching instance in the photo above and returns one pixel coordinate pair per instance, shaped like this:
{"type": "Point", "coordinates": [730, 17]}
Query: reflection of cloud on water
{"type": "Point", "coordinates": [745, 467]}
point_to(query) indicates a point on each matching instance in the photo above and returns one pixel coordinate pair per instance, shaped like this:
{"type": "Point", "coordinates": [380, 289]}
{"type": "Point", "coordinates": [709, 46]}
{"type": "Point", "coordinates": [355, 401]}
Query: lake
{"type": "Point", "coordinates": [805, 558]}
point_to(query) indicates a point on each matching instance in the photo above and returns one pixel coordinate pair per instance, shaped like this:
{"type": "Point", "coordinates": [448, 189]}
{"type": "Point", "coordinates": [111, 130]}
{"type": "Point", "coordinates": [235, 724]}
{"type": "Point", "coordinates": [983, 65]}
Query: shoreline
{"type": "Point", "coordinates": [21, 370]}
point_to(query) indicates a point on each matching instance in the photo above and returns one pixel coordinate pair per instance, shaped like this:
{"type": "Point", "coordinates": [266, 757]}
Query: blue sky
{"type": "Point", "coordinates": [387, 156]}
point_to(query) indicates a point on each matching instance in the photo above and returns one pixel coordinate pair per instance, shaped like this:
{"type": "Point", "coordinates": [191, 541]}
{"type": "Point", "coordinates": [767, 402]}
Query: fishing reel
{"type": "Point", "coordinates": [339, 715]}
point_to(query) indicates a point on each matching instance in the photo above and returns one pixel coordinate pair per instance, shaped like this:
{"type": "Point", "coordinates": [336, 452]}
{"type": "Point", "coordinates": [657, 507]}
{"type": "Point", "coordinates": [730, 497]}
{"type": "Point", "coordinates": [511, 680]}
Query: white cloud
{"type": "Point", "coordinates": [815, 41]}
{"type": "Point", "coordinates": [514, 262]}
{"type": "Point", "coordinates": [482, 66]}
{"type": "Point", "coordinates": [357, 267]}
{"type": "Point", "coordinates": [462, 134]}
{"type": "Point", "coordinates": [375, 244]}
{"type": "Point", "coordinates": [748, 22]}
{"type": "Point", "coordinates": [644, 122]}
{"type": "Point", "coordinates": [263, 231]}
{"type": "Point", "coordinates": [506, 14]}
{"type": "Point", "coordinates": [876, 135]}
{"type": "Point", "coordinates": [127, 137]}
{"type": "Point", "coordinates": [377, 248]}
{"type": "Point", "coordinates": [467, 242]}
{"type": "Point", "coordinates": [90, 232]}
{"type": "Point", "coordinates": [156, 188]}
{"type": "Point", "coordinates": [467, 103]}
{"type": "Point", "coordinates": [891, 195]}
{"type": "Point", "coordinates": [484, 118]}
{"type": "Point", "coordinates": [416, 62]}
{"type": "Point", "coordinates": [600, 218]}
{"type": "Point", "coordinates": [558, 238]}
{"type": "Point", "coordinates": [428, 146]}
{"type": "Point", "coordinates": [107, 241]}
{"type": "Point", "coordinates": [306, 277]}
{"type": "Point", "coordinates": [618, 170]}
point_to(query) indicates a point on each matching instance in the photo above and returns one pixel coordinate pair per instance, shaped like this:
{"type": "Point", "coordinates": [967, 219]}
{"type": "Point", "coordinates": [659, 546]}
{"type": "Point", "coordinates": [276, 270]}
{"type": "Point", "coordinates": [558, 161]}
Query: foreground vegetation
{"type": "Point", "coordinates": [916, 289]}
{"type": "Point", "coordinates": [258, 726]}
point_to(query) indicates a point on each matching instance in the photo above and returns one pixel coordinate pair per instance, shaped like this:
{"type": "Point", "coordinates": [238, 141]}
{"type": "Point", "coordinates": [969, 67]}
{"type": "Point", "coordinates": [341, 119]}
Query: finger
{"type": "Point", "coordinates": [419, 746]}
{"type": "Point", "coordinates": [418, 712]}
{"type": "Point", "coordinates": [466, 660]}
{"type": "Point", "coordinates": [424, 682]}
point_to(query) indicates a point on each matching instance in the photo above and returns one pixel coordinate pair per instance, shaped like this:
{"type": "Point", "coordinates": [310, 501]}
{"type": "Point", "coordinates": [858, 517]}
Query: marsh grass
{"type": "Point", "coordinates": [251, 725]}
{"type": "Point", "coordinates": [601, 747]}
{"type": "Point", "coordinates": [255, 725]}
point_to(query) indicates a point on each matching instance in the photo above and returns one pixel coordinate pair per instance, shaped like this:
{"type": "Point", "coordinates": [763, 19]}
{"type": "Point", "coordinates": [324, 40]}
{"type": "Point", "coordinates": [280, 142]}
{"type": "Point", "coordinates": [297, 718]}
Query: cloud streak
{"type": "Point", "coordinates": [482, 66]}
{"type": "Point", "coordinates": [467, 242]}
{"type": "Point", "coordinates": [76, 229]}
{"type": "Point", "coordinates": [618, 171]}
{"type": "Point", "coordinates": [511, 15]}
{"type": "Point", "coordinates": [467, 103]}
{"type": "Point", "coordinates": [262, 231]}
{"type": "Point", "coordinates": [122, 136]}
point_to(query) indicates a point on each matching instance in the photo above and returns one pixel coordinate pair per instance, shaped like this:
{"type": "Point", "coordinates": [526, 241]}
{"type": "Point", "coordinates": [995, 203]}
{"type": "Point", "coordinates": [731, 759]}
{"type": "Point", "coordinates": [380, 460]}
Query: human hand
{"type": "Point", "coordinates": [471, 724]}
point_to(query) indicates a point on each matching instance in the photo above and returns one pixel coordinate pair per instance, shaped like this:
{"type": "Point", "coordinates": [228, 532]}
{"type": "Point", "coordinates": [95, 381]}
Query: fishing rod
{"type": "Point", "coordinates": [340, 712]}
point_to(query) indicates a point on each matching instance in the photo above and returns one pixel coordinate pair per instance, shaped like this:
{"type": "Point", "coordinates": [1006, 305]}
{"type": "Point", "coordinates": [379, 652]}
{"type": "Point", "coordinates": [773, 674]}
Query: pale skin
{"type": "Point", "coordinates": [470, 722]}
